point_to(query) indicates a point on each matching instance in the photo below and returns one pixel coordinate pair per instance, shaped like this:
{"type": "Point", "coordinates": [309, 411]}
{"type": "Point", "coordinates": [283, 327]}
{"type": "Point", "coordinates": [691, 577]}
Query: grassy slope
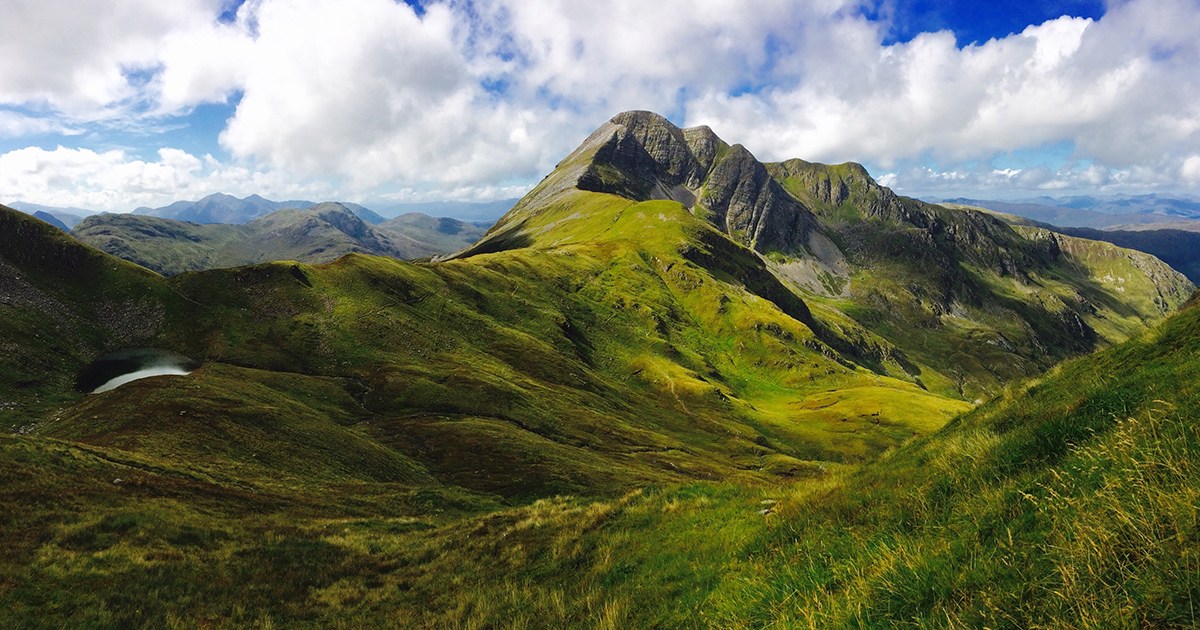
{"type": "Point", "coordinates": [441, 235]}
{"type": "Point", "coordinates": [167, 245]}
{"type": "Point", "coordinates": [975, 301]}
{"type": "Point", "coordinates": [590, 366]}
{"type": "Point", "coordinates": [1069, 502]}
{"type": "Point", "coordinates": [53, 327]}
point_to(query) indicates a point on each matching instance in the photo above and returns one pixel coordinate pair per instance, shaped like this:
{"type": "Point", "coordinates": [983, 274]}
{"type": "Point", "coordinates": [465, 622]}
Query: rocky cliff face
{"type": "Point", "coordinates": [752, 207]}
{"type": "Point", "coordinates": [642, 156]}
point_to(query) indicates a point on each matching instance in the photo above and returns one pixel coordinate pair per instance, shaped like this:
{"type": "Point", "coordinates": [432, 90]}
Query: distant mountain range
{"type": "Point", "coordinates": [227, 209]}
{"type": "Point", "coordinates": [472, 211]}
{"type": "Point", "coordinates": [62, 218]}
{"type": "Point", "coordinates": [1096, 212]}
{"type": "Point", "coordinates": [222, 208]}
{"type": "Point", "coordinates": [321, 233]}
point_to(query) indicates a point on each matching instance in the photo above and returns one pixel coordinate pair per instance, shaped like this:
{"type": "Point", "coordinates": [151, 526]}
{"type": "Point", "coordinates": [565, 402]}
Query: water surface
{"type": "Point", "coordinates": [118, 368]}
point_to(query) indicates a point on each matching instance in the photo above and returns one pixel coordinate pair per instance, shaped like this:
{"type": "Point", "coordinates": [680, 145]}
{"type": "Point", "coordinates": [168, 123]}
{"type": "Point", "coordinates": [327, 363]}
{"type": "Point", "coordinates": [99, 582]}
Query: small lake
{"type": "Point", "coordinates": [117, 368]}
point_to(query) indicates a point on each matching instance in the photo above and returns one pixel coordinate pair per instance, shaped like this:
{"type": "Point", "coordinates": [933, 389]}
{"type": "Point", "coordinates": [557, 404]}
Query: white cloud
{"type": "Point", "coordinates": [1124, 90]}
{"type": "Point", "coordinates": [368, 90]}
{"type": "Point", "coordinates": [113, 180]}
{"type": "Point", "coordinates": [368, 99]}
{"type": "Point", "coordinates": [202, 63]}
{"type": "Point", "coordinates": [81, 60]}
{"type": "Point", "coordinates": [1190, 170]}
{"type": "Point", "coordinates": [1075, 178]}
{"type": "Point", "coordinates": [15, 125]}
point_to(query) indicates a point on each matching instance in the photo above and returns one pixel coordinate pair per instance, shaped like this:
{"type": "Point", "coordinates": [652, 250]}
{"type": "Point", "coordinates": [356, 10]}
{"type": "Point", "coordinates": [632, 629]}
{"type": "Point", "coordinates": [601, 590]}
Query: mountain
{"type": "Point", "coordinates": [962, 302]}
{"type": "Point", "coordinates": [51, 219]}
{"type": "Point", "coordinates": [672, 386]}
{"type": "Point", "coordinates": [1154, 204]}
{"type": "Point", "coordinates": [321, 233]}
{"type": "Point", "coordinates": [440, 235]}
{"type": "Point", "coordinates": [221, 208]}
{"type": "Point", "coordinates": [364, 213]}
{"type": "Point", "coordinates": [69, 217]}
{"type": "Point", "coordinates": [1095, 212]}
{"type": "Point", "coordinates": [470, 211]}
{"type": "Point", "coordinates": [1179, 248]}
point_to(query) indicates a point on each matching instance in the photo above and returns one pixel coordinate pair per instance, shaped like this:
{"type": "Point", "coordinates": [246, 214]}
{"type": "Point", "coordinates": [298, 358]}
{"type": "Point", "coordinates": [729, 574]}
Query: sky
{"type": "Point", "coordinates": [381, 102]}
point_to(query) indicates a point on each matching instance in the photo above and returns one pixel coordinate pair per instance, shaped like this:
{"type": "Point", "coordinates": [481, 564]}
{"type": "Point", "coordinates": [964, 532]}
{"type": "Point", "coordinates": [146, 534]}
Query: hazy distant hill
{"type": "Point", "coordinates": [441, 233]}
{"type": "Point", "coordinates": [221, 208]}
{"type": "Point", "coordinates": [321, 233]}
{"type": "Point", "coordinates": [52, 220]}
{"type": "Point", "coordinates": [472, 211]}
{"type": "Point", "coordinates": [1154, 203]}
{"type": "Point", "coordinates": [1095, 212]}
{"type": "Point", "coordinates": [68, 217]}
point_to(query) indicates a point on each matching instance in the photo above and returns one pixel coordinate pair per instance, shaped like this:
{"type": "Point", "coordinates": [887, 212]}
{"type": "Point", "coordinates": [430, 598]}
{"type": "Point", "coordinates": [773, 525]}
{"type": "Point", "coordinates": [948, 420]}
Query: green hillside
{"type": "Point", "coordinates": [672, 387]}
{"type": "Point", "coordinates": [1175, 243]}
{"type": "Point", "coordinates": [441, 235]}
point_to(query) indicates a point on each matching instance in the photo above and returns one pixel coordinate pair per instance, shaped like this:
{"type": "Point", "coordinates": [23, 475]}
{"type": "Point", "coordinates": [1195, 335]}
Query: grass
{"type": "Point", "coordinates": [972, 302]}
{"type": "Point", "coordinates": [580, 425]}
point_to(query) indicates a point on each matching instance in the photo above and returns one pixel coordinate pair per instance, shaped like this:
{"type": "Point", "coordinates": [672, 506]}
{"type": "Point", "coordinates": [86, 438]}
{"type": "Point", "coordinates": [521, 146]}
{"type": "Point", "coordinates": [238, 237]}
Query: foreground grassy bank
{"type": "Point", "coordinates": [1072, 501]}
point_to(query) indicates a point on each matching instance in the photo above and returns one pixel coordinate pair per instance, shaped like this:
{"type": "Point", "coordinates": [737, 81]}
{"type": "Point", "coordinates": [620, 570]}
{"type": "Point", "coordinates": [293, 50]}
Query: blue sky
{"type": "Point", "coordinates": [378, 101]}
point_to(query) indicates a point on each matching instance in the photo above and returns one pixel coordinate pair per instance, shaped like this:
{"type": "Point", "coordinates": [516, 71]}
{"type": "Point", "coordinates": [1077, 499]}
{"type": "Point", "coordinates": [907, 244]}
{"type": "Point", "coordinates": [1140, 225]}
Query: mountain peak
{"type": "Point", "coordinates": [642, 156]}
{"type": "Point", "coordinates": [220, 196]}
{"type": "Point", "coordinates": [640, 117]}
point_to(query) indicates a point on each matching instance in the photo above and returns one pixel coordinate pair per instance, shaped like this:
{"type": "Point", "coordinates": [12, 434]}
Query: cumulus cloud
{"type": "Point", "coordinates": [1124, 89]}
{"type": "Point", "coordinates": [85, 62]}
{"type": "Point", "coordinates": [982, 181]}
{"type": "Point", "coordinates": [1190, 169]}
{"type": "Point", "coordinates": [373, 99]}
{"type": "Point", "coordinates": [114, 180]}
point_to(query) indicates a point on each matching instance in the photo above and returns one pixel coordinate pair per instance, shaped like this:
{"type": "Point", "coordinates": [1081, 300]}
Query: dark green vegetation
{"type": "Point", "coordinates": [322, 233]}
{"type": "Point", "coordinates": [651, 408]}
{"type": "Point", "coordinates": [1178, 248]}
{"type": "Point", "coordinates": [1177, 245]}
{"type": "Point", "coordinates": [439, 235]}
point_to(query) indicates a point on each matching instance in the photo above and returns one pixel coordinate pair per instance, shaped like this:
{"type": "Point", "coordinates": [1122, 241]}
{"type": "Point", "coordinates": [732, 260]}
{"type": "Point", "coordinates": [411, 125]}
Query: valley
{"type": "Point", "coordinates": [672, 386]}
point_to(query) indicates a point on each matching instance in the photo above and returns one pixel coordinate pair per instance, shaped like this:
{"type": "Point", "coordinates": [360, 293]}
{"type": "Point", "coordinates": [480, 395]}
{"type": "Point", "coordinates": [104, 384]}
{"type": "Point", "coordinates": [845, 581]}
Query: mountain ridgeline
{"type": "Point", "coordinates": [318, 234]}
{"type": "Point", "coordinates": [673, 386]}
{"type": "Point", "coordinates": [927, 286]}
